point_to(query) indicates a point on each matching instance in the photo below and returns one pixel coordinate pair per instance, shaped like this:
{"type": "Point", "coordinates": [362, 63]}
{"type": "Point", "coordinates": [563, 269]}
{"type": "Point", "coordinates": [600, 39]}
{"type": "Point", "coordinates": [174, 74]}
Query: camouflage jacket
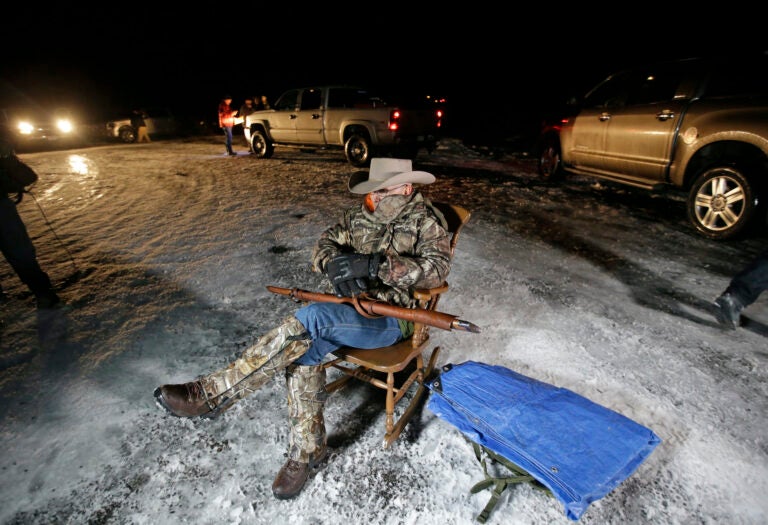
{"type": "Point", "coordinates": [411, 234]}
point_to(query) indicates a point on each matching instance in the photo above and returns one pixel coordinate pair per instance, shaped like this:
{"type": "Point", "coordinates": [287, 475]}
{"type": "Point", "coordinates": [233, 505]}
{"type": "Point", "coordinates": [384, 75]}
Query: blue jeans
{"type": "Point", "coordinates": [749, 283]}
{"type": "Point", "coordinates": [332, 326]}
{"type": "Point", "coordinates": [228, 137]}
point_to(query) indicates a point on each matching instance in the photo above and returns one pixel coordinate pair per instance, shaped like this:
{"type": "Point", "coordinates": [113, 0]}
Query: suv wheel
{"type": "Point", "coordinates": [721, 202]}
{"type": "Point", "coordinates": [550, 161]}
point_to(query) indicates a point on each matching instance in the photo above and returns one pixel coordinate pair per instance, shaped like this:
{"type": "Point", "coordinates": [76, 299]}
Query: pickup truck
{"type": "Point", "coordinates": [349, 118]}
{"type": "Point", "coordinates": [699, 125]}
{"type": "Point", "coordinates": [160, 122]}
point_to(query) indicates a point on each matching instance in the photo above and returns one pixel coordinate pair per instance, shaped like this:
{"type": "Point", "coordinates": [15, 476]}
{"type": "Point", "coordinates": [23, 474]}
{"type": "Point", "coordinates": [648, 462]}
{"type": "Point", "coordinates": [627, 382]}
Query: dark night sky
{"type": "Point", "coordinates": [189, 60]}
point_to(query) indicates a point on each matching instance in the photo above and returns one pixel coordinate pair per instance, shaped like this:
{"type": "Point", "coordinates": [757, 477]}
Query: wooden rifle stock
{"type": "Point", "coordinates": [369, 307]}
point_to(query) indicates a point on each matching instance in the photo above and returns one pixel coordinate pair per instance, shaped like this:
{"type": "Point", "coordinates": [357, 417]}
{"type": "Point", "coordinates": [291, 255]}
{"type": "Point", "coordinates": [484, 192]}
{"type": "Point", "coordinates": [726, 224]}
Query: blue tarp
{"type": "Point", "coordinates": [576, 448]}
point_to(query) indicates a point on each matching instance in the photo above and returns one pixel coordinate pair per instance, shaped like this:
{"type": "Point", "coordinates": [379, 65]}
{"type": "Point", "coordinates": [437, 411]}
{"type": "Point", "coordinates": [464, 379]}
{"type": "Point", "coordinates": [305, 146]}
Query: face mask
{"type": "Point", "coordinates": [390, 207]}
{"type": "Point", "coordinates": [373, 198]}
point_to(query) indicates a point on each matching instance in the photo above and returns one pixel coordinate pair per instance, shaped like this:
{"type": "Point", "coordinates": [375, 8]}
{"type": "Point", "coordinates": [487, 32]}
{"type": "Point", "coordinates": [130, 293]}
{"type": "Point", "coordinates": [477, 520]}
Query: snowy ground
{"type": "Point", "coordinates": [163, 252]}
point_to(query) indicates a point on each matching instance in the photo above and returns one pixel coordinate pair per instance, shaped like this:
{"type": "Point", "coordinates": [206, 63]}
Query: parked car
{"type": "Point", "coordinates": [34, 125]}
{"type": "Point", "coordinates": [160, 122]}
{"type": "Point", "coordinates": [698, 125]}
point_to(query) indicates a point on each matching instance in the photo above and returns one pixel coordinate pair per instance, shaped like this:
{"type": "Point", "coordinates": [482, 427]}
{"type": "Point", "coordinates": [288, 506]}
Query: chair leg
{"type": "Point", "coordinates": [393, 431]}
{"type": "Point", "coordinates": [390, 402]}
{"type": "Point", "coordinates": [432, 362]}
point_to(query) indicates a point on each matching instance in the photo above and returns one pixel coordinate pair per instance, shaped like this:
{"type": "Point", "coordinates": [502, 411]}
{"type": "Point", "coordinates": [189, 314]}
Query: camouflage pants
{"type": "Point", "coordinates": [306, 400]}
{"type": "Point", "coordinates": [272, 353]}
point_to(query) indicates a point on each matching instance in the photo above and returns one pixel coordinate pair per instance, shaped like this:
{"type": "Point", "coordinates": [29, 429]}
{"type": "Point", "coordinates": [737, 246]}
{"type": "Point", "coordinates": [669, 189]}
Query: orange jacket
{"type": "Point", "coordinates": [226, 115]}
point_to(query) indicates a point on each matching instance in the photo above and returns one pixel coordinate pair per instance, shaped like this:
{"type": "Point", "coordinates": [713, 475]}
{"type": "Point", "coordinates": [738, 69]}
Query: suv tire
{"type": "Point", "coordinates": [550, 163]}
{"type": "Point", "coordinates": [722, 202]}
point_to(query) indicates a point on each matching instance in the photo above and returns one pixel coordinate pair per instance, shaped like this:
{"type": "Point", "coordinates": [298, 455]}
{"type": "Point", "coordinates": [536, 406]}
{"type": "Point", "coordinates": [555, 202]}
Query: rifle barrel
{"type": "Point", "coordinates": [466, 326]}
{"type": "Point", "coordinates": [374, 308]}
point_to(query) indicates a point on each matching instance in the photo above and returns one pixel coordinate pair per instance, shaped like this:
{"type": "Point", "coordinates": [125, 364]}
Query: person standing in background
{"type": "Point", "coordinates": [227, 121]}
{"type": "Point", "coordinates": [139, 123]}
{"type": "Point", "coordinates": [246, 109]}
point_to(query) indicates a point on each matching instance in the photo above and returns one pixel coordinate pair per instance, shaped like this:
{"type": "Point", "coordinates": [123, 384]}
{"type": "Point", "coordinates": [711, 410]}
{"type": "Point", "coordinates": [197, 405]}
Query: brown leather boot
{"type": "Point", "coordinates": [293, 475]}
{"type": "Point", "coordinates": [186, 400]}
{"type": "Point", "coordinates": [290, 480]}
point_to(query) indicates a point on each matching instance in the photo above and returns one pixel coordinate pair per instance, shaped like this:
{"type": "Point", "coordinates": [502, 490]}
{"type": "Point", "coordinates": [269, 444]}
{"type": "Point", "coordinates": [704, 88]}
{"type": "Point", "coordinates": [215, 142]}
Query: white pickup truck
{"type": "Point", "coordinates": [160, 121]}
{"type": "Point", "coordinates": [349, 118]}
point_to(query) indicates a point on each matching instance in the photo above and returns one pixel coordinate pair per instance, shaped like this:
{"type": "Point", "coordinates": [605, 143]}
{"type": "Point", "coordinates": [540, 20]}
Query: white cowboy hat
{"type": "Point", "coordinates": [385, 173]}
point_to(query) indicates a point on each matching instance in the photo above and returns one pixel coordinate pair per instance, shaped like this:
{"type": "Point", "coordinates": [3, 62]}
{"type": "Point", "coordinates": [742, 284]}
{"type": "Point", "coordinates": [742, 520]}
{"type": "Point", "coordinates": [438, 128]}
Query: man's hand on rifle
{"type": "Point", "coordinates": [351, 273]}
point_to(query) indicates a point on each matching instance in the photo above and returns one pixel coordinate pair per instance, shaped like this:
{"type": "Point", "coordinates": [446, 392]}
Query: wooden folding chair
{"type": "Point", "coordinates": [367, 364]}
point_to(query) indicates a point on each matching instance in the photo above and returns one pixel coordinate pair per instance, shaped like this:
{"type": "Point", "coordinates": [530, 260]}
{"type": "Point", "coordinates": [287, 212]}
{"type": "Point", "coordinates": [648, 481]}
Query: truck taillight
{"type": "Point", "coordinates": [394, 120]}
{"type": "Point", "coordinates": [395, 115]}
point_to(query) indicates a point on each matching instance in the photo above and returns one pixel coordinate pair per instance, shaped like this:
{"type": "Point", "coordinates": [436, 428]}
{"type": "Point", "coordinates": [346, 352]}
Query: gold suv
{"type": "Point", "coordinates": [699, 125]}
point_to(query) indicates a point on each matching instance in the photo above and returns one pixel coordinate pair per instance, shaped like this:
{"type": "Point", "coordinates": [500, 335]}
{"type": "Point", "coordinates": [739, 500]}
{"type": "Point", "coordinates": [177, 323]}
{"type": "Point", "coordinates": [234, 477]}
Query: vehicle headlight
{"type": "Point", "coordinates": [64, 125]}
{"type": "Point", "coordinates": [25, 128]}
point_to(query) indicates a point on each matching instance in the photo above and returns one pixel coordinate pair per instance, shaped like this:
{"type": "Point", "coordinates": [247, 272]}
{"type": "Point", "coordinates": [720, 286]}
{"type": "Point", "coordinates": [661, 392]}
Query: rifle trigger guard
{"type": "Point", "coordinates": [294, 298]}
{"type": "Point", "coordinates": [359, 307]}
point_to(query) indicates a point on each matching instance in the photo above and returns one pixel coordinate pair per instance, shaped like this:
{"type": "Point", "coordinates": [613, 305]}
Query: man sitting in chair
{"type": "Point", "coordinates": [393, 243]}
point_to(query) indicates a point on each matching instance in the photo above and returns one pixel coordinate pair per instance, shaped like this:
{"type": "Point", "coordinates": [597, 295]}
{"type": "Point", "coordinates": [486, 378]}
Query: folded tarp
{"type": "Point", "coordinates": [577, 449]}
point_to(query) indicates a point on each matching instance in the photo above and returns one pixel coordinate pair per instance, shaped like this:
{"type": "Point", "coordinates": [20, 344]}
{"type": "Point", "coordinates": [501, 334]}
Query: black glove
{"type": "Point", "coordinates": [351, 287]}
{"type": "Point", "coordinates": [350, 273]}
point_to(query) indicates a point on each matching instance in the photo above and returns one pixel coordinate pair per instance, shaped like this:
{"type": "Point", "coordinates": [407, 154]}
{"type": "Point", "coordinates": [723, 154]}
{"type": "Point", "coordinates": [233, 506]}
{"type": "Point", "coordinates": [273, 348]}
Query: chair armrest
{"type": "Point", "coordinates": [424, 294]}
{"type": "Point", "coordinates": [427, 299]}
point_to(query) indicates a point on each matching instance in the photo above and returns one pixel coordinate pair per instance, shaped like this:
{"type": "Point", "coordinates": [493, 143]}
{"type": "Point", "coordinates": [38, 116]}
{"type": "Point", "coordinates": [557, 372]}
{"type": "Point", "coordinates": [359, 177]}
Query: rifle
{"type": "Point", "coordinates": [369, 307]}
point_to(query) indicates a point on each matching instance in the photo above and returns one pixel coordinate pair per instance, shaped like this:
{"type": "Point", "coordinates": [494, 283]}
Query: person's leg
{"type": "Point", "coordinates": [332, 326]}
{"type": "Point", "coordinates": [749, 283]}
{"type": "Point", "coordinates": [744, 289]}
{"type": "Point", "coordinates": [314, 331]}
{"type": "Point", "coordinates": [228, 139]}
{"type": "Point", "coordinates": [211, 394]}
{"type": "Point", "coordinates": [20, 253]}
{"type": "Point", "coordinates": [307, 441]}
